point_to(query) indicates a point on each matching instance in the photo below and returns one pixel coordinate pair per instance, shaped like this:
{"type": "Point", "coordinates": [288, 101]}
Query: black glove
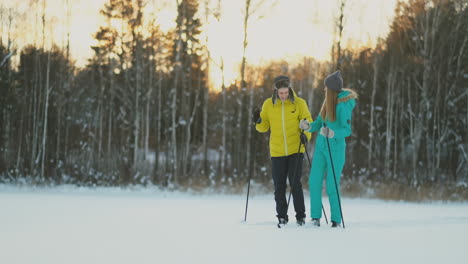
{"type": "Point", "coordinates": [303, 138]}
{"type": "Point", "coordinates": [256, 116]}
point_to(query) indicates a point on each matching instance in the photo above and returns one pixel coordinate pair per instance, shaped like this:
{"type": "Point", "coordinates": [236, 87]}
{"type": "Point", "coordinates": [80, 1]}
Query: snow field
{"type": "Point", "coordinates": [114, 226]}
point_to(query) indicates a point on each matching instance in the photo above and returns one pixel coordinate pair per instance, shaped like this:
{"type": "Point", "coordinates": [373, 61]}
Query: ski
{"type": "Point", "coordinates": [290, 226]}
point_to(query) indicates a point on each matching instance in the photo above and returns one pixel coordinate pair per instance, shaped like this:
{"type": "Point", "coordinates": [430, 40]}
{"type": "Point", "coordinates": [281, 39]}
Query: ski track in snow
{"type": "Point", "coordinates": [119, 226]}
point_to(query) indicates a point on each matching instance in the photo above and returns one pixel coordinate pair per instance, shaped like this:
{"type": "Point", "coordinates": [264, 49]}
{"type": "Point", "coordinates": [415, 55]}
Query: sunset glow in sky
{"type": "Point", "coordinates": [280, 29]}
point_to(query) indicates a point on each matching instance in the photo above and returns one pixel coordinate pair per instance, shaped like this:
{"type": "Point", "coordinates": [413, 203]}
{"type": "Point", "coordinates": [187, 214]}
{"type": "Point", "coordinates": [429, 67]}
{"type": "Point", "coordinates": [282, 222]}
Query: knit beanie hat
{"type": "Point", "coordinates": [334, 81]}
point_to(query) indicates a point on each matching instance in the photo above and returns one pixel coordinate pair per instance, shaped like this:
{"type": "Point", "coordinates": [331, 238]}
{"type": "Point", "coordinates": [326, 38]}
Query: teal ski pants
{"type": "Point", "coordinates": [320, 165]}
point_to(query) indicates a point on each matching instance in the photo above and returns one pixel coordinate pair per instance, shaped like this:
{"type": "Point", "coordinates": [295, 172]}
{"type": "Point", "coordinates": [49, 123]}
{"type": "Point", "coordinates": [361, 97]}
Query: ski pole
{"type": "Point", "coordinates": [248, 191]}
{"type": "Point", "coordinates": [334, 177]}
{"type": "Point", "coordinates": [295, 175]}
{"type": "Point", "coordinates": [248, 188]}
{"type": "Point", "coordinates": [310, 168]}
{"type": "Point", "coordinates": [247, 201]}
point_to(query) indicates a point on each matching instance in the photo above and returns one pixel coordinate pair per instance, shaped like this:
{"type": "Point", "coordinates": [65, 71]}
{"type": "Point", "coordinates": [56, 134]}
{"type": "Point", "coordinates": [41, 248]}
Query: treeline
{"type": "Point", "coordinates": [141, 112]}
{"type": "Point", "coordinates": [411, 128]}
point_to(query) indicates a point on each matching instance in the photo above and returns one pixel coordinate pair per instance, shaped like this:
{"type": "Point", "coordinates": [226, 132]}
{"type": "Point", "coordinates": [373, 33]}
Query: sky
{"type": "Point", "coordinates": [279, 29]}
{"type": "Point", "coordinates": [147, 225]}
{"type": "Point", "coordinates": [295, 28]}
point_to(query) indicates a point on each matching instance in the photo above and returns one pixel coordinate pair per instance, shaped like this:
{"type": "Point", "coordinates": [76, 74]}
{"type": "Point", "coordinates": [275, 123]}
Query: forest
{"type": "Point", "coordinates": [142, 112]}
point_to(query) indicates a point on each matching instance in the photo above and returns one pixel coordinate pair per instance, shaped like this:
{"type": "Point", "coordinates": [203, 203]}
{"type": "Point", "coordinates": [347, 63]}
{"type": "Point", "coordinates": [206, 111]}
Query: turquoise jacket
{"type": "Point", "coordinates": [321, 163]}
{"type": "Point", "coordinates": [341, 126]}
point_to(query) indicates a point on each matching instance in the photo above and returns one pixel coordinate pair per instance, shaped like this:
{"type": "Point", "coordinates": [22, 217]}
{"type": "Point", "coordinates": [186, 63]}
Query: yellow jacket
{"type": "Point", "coordinates": [282, 119]}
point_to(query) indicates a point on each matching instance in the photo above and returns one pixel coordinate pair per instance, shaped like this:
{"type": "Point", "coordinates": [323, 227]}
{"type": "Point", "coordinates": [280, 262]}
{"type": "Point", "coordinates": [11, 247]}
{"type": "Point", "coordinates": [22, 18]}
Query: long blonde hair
{"type": "Point", "coordinates": [328, 110]}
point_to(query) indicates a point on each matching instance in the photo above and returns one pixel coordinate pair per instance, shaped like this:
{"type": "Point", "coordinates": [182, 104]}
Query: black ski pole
{"type": "Point", "coordinates": [310, 168]}
{"type": "Point", "coordinates": [248, 187]}
{"type": "Point", "coordinates": [334, 177]}
{"type": "Point", "coordinates": [295, 174]}
{"type": "Point", "coordinates": [248, 190]}
{"type": "Point", "coordinates": [247, 201]}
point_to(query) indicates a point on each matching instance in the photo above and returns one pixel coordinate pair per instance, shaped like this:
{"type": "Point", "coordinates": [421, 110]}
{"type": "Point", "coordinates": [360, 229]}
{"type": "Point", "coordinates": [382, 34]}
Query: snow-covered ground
{"type": "Point", "coordinates": [149, 226]}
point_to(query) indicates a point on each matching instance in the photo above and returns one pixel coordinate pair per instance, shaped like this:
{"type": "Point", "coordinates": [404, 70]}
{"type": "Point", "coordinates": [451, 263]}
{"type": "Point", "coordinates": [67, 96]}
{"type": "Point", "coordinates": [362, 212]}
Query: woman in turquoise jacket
{"type": "Point", "coordinates": [334, 122]}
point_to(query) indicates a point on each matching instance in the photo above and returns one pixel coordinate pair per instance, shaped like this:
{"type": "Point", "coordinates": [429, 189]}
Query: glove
{"type": "Point", "coordinates": [303, 139]}
{"type": "Point", "coordinates": [256, 116]}
{"type": "Point", "coordinates": [304, 125]}
{"type": "Point", "coordinates": [327, 132]}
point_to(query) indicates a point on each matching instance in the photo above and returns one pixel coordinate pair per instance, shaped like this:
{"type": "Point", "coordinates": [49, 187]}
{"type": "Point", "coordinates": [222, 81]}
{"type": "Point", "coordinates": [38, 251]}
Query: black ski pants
{"type": "Point", "coordinates": [288, 167]}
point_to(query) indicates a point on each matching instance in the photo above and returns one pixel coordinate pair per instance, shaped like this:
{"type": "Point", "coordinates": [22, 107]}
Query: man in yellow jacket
{"type": "Point", "coordinates": [281, 115]}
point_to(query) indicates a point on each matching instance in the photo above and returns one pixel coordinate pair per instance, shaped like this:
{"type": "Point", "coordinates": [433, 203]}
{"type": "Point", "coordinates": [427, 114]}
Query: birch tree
{"type": "Point", "coordinates": [339, 27]}
{"type": "Point", "coordinates": [189, 79]}
{"type": "Point", "coordinates": [250, 9]}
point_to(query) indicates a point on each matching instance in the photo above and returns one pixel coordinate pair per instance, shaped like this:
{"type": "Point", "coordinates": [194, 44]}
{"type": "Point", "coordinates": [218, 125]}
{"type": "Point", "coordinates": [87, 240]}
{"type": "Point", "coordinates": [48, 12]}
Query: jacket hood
{"type": "Point", "coordinates": [346, 95]}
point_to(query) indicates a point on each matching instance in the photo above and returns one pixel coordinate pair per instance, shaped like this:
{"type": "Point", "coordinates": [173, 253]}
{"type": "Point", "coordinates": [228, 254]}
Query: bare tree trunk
{"type": "Point", "coordinates": [189, 133]}
{"type": "Point", "coordinates": [66, 86]}
{"type": "Point", "coordinates": [340, 25]}
{"type": "Point", "coordinates": [100, 113]}
{"type": "Point", "coordinates": [111, 106]}
{"type": "Point", "coordinates": [205, 95]}
{"type": "Point", "coordinates": [389, 119]}
{"type": "Point", "coordinates": [372, 109]}
{"type": "Point", "coordinates": [136, 124]}
{"type": "Point", "coordinates": [7, 143]}
{"type": "Point", "coordinates": [65, 141]}
{"type": "Point", "coordinates": [44, 23]}
{"type": "Point", "coordinates": [174, 112]}
{"type": "Point", "coordinates": [174, 127]}
{"type": "Point", "coordinates": [425, 94]}
{"type": "Point", "coordinates": [35, 119]}
{"type": "Point", "coordinates": [205, 130]}
{"type": "Point", "coordinates": [245, 43]}
{"type": "Point", "coordinates": [59, 130]}
{"type": "Point", "coordinates": [158, 130]}
{"type": "Point", "coordinates": [439, 131]}
{"type": "Point", "coordinates": [239, 142]}
{"type": "Point", "coordinates": [238, 163]}
{"type": "Point", "coordinates": [35, 109]}
{"type": "Point", "coordinates": [46, 111]}
{"type": "Point", "coordinates": [147, 111]}
{"type": "Point", "coordinates": [249, 127]}
{"type": "Point", "coordinates": [36, 113]}
{"type": "Point", "coordinates": [224, 112]}
{"type": "Point", "coordinates": [20, 144]}
{"type": "Point", "coordinates": [186, 103]}
{"type": "Point", "coordinates": [398, 109]}
{"type": "Point", "coordinates": [2, 30]}
{"type": "Point", "coordinates": [415, 135]}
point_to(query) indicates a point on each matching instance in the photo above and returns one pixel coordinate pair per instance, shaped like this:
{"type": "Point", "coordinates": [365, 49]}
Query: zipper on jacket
{"type": "Point", "coordinates": [284, 130]}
